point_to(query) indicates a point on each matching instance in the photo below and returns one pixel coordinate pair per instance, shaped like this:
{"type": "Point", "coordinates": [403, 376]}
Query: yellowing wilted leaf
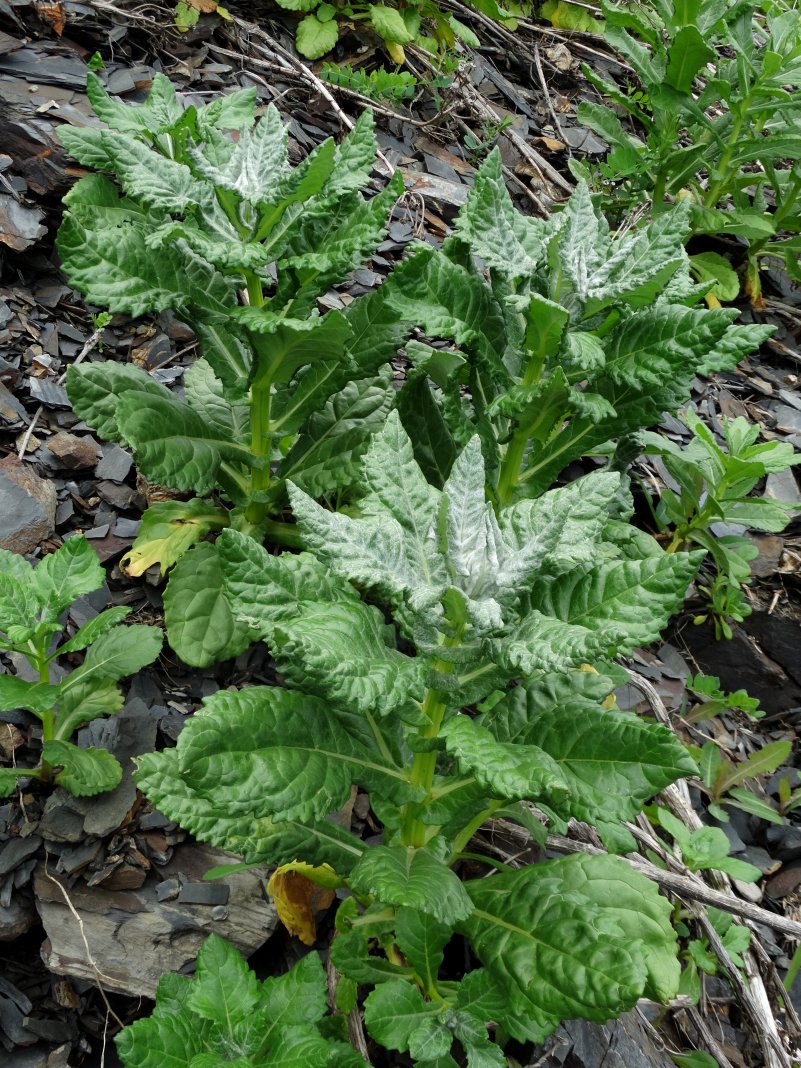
{"type": "Point", "coordinates": [300, 892]}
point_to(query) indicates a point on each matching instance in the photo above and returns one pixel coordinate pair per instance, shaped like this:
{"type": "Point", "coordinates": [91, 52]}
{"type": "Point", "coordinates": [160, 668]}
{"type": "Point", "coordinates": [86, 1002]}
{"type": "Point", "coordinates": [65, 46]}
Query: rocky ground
{"type": "Point", "coordinates": [99, 896]}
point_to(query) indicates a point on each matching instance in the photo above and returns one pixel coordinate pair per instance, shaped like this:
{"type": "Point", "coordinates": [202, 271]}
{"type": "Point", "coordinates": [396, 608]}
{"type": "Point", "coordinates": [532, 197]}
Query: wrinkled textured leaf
{"type": "Point", "coordinates": [85, 772]}
{"type": "Point", "coordinates": [402, 875]}
{"type": "Point", "coordinates": [200, 626]}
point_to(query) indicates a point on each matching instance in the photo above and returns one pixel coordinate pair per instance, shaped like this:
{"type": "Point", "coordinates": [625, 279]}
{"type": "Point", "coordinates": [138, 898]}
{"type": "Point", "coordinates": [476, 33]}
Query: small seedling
{"type": "Point", "coordinates": [225, 1015]}
{"type": "Point", "coordinates": [32, 600]}
{"type": "Point", "coordinates": [723, 780]}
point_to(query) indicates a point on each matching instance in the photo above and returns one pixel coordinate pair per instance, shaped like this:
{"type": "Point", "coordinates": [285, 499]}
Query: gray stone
{"type": "Point", "coordinates": [15, 850]}
{"type": "Point", "coordinates": [60, 822]}
{"type": "Point", "coordinates": [133, 938]}
{"type": "Point", "coordinates": [784, 842]}
{"type": "Point", "coordinates": [72, 451]}
{"type": "Point", "coordinates": [116, 496]}
{"type": "Point", "coordinates": [782, 486]}
{"type": "Point", "coordinates": [204, 894]}
{"type": "Point", "coordinates": [12, 411]}
{"type": "Point", "coordinates": [17, 917]}
{"type": "Point", "coordinates": [49, 393]}
{"type": "Point", "coordinates": [168, 890]}
{"type": "Point", "coordinates": [115, 465]}
{"type": "Point", "coordinates": [127, 528]}
{"type": "Point", "coordinates": [27, 507]}
{"type": "Point", "coordinates": [622, 1043]}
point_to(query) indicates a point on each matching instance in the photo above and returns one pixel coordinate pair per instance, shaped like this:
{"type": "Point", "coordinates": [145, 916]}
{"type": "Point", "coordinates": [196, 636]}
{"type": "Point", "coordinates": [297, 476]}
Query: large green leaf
{"type": "Point", "coordinates": [200, 625]}
{"type": "Point", "coordinates": [163, 1041]}
{"type": "Point", "coordinates": [597, 612]}
{"type": "Point", "coordinates": [224, 408]}
{"type": "Point", "coordinates": [290, 343]}
{"type": "Point", "coordinates": [225, 990]}
{"type": "Point", "coordinates": [255, 838]}
{"type": "Point", "coordinates": [160, 111]}
{"type": "Point", "coordinates": [19, 605]}
{"type": "Point", "coordinates": [269, 752]}
{"type": "Point", "coordinates": [422, 418]}
{"type": "Point", "coordinates": [371, 552]}
{"type": "Point", "coordinates": [91, 631]}
{"type": "Point", "coordinates": [175, 446]}
{"type": "Point", "coordinates": [117, 653]}
{"type": "Point", "coordinates": [689, 52]}
{"type": "Point", "coordinates": [613, 762]}
{"type": "Point", "coordinates": [421, 938]}
{"type": "Point", "coordinates": [522, 771]}
{"type": "Point", "coordinates": [262, 589]}
{"type": "Point", "coordinates": [446, 300]}
{"type": "Point", "coordinates": [582, 242]}
{"type": "Point", "coordinates": [559, 950]}
{"type": "Point", "coordinates": [402, 875]}
{"type": "Point", "coordinates": [635, 597]}
{"type": "Point", "coordinates": [340, 651]}
{"type": "Point", "coordinates": [566, 524]}
{"type": "Point", "coordinates": [35, 696]}
{"type": "Point", "coordinates": [145, 175]}
{"type": "Point", "coordinates": [94, 390]}
{"type": "Point", "coordinates": [399, 1018]}
{"type": "Point", "coordinates": [327, 454]}
{"type": "Point", "coordinates": [84, 700]}
{"type": "Point", "coordinates": [114, 268]}
{"type": "Point", "coordinates": [258, 161]}
{"type": "Point", "coordinates": [662, 343]}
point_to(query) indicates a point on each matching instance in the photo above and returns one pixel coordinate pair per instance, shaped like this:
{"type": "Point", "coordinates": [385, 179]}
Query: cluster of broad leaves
{"type": "Point", "coordinates": [712, 485]}
{"type": "Point", "coordinates": [32, 602]}
{"type": "Point", "coordinates": [501, 614]}
{"type": "Point", "coordinates": [282, 391]}
{"type": "Point", "coordinates": [578, 337]}
{"type": "Point", "coordinates": [718, 116]}
{"type": "Point", "coordinates": [225, 1015]}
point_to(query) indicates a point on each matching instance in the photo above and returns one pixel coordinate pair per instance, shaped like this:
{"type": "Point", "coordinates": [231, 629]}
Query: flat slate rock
{"type": "Point", "coordinates": [27, 507]}
{"type": "Point", "coordinates": [134, 938]}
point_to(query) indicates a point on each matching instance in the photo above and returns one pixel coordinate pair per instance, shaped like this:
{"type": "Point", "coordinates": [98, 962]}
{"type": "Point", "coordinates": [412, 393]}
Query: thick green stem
{"type": "Point", "coordinates": [718, 187]}
{"type": "Point", "coordinates": [413, 831]}
{"type": "Point", "coordinates": [286, 534]}
{"type": "Point", "coordinates": [510, 467]}
{"type": "Point", "coordinates": [516, 449]}
{"type": "Point", "coordinates": [48, 715]}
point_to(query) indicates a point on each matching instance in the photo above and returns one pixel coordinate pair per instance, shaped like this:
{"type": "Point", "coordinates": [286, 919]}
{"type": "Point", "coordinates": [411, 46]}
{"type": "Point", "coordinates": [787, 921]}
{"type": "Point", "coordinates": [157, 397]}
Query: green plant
{"type": "Point", "coordinates": [713, 700]}
{"type": "Point", "coordinates": [722, 779]}
{"type": "Point", "coordinates": [378, 84]}
{"type": "Point", "coordinates": [282, 391]}
{"type": "Point", "coordinates": [566, 336]}
{"type": "Point", "coordinates": [491, 613]}
{"type": "Point", "coordinates": [478, 147]}
{"type": "Point", "coordinates": [735, 937]}
{"type": "Point", "coordinates": [419, 22]}
{"type": "Point", "coordinates": [713, 486]}
{"type": "Point", "coordinates": [706, 848]}
{"type": "Point", "coordinates": [188, 12]}
{"type": "Point", "coordinates": [225, 1015]}
{"type": "Point", "coordinates": [724, 132]}
{"type": "Point", "coordinates": [32, 601]}
{"type": "Point", "coordinates": [789, 799]}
